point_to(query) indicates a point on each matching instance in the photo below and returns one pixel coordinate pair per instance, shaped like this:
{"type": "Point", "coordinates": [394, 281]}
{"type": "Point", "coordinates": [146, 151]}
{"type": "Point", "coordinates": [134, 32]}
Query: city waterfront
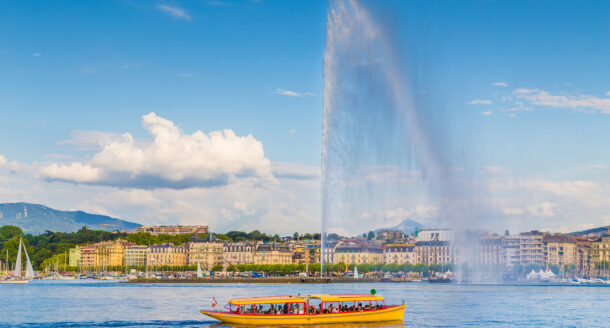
{"type": "Point", "coordinates": [110, 304]}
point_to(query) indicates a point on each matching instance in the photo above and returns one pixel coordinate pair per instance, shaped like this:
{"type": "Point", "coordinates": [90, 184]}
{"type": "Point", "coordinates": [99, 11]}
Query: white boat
{"type": "Point", "coordinates": [17, 278]}
{"type": "Point", "coordinates": [199, 272]}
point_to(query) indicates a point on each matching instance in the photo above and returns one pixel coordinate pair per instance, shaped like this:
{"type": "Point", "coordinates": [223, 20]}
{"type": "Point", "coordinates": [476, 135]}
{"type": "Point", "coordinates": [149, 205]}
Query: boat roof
{"type": "Point", "coordinates": [299, 299]}
{"type": "Point", "coordinates": [346, 297]}
{"type": "Point", "coordinates": [266, 300]}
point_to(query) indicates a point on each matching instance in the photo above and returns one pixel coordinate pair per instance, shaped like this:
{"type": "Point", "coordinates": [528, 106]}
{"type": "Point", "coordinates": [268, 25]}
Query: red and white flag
{"type": "Point", "coordinates": [214, 303]}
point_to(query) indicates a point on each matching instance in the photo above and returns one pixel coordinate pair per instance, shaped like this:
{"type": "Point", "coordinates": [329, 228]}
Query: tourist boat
{"type": "Point", "coordinates": [312, 309]}
{"type": "Point", "coordinates": [17, 278]}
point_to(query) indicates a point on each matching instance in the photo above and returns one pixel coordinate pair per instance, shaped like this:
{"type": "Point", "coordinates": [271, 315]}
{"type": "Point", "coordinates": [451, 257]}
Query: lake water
{"type": "Point", "coordinates": [110, 304]}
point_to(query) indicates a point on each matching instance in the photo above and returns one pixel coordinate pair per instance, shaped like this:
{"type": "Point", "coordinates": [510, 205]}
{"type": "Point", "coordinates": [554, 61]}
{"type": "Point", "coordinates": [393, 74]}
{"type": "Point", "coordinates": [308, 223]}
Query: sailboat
{"type": "Point", "coordinates": [17, 278]}
{"type": "Point", "coordinates": [199, 272]}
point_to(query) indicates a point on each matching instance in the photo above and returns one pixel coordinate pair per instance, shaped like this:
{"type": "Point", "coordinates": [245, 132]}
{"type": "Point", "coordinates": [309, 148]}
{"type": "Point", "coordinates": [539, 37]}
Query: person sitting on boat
{"type": "Point", "coordinates": [334, 309]}
{"type": "Point", "coordinates": [360, 309]}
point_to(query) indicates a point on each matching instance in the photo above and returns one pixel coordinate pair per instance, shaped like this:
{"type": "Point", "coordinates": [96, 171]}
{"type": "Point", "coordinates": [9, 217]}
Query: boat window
{"type": "Point", "coordinates": [315, 304]}
{"type": "Point", "coordinates": [299, 308]}
{"type": "Point", "coordinates": [263, 309]}
{"type": "Point", "coordinates": [249, 309]}
{"type": "Point", "coordinates": [347, 306]}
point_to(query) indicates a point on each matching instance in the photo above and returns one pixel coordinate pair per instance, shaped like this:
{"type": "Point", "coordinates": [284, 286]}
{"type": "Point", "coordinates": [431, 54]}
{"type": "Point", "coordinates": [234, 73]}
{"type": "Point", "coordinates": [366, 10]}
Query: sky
{"type": "Point", "coordinates": [209, 112]}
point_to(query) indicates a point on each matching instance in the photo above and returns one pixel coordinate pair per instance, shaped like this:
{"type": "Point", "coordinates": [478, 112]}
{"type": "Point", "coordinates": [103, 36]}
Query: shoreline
{"type": "Point", "coordinates": [272, 280]}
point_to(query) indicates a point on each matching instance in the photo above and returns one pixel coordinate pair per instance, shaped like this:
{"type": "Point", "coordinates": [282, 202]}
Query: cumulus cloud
{"type": "Point", "coordinates": [290, 93]}
{"type": "Point", "coordinates": [36, 54]}
{"type": "Point", "coordinates": [486, 113]}
{"type": "Point", "coordinates": [480, 102]}
{"type": "Point", "coordinates": [500, 84]}
{"type": "Point", "coordinates": [172, 160]}
{"type": "Point", "coordinates": [292, 131]}
{"type": "Point", "coordinates": [581, 103]}
{"type": "Point", "coordinates": [175, 12]}
{"type": "Point", "coordinates": [91, 140]}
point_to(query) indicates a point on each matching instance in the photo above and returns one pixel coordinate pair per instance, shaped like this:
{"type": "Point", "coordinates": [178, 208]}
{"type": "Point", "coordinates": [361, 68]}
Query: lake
{"type": "Point", "coordinates": [110, 304]}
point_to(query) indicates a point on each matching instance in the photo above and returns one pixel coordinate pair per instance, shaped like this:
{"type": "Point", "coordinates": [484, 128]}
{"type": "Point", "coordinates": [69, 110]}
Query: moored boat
{"type": "Point", "coordinates": [312, 309]}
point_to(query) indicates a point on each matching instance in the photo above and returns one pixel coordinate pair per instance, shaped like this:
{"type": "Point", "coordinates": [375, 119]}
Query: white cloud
{"type": "Point", "coordinates": [290, 93]}
{"type": "Point", "coordinates": [36, 54]}
{"type": "Point", "coordinates": [91, 140]}
{"type": "Point", "coordinates": [480, 102]}
{"type": "Point", "coordinates": [175, 12]}
{"type": "Point", "coordinates": [3, 160]}
{"type": "Point", "coordinates": [496, 169]}
{"type": "Point", "coordinates": [286, 170]}
{"type": "Point", "coordinates": [519, 106]}
{"type": "Point", "coordinates": [486, 113]}
{"type": "Point", "coordinates": [582, 103]}
{"type": "Point", "coordinates": [608, 93]}
{"type": "Point", "coordinates": [500, 84]}
{"type": "Point", "coordinates": [544, 209]}
{"type": "Point", "coordinates": [172, 160]}
{"type": "Point", "coordinates": [512, 115]}
{"type": "Point", "coordinates": [292, 131]}
{"type": "Point", "coordinates": [187, 74]}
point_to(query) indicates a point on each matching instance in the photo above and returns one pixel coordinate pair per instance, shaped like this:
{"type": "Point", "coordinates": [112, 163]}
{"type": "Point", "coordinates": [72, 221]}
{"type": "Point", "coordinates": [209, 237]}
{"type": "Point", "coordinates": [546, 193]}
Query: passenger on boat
{"type": "Point", "coordinates": [360, 309]}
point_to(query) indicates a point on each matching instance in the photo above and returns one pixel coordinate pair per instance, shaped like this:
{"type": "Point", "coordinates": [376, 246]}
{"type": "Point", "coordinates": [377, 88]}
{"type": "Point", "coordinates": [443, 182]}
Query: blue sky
{"type": "Point", "coordinates": [523, 87]}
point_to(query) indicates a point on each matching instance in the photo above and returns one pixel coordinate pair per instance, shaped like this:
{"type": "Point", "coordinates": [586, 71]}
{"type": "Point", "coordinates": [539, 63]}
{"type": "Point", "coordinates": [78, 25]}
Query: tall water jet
{"type": "Point", "coordinates": [386, 150]}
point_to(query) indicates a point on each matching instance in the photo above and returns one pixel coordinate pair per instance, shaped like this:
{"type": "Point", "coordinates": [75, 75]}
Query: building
{"type": "Point", "coordinates": [399, 254]}
{"type": "Point", "coordinates": [386, 234]}
{"type": "Point", "coordinates": [166, 255]}
{"type": "Point", "coordinates": [435, 235]}
{"type": "Point", "coordinates": [88, 256]}
{"type": "Point", "coordinates": [300, 254]}
{"type": "Point", "coordinates": [111, 253]}
{"type": "Point", "coordinates": [433, 252]}
{"type": "Point", "coordinates": [530, 248]}
{"type": "Point", "coordinates": [74, 256]}
{"type": "Point", "coordinates": [135, 256]}
{"type": "Point", "coordinates": [600, 251]}
{"type": "Point", "coordinates": [207, 252]}
{"type": "Point", "coordinates": [584, 255]}
{"type": "Point", "coordinates": [238, 253]}
{"type": "Point", "coordinates": [491, 250]}
{"type": "Point", "coordinates": [358, 253]}
{"type": "Point", "coordinates": [559, 250]}
{"type": "Point", "coordinates": [272, 254]}
{"type": "Point", "coordinates": [173, 230]}
{"type": "Point", "coordinates": [511, 252]}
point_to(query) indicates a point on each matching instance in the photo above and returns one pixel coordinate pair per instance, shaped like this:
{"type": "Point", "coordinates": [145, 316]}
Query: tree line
{"type": "Point", "coordinates": [50, 248]}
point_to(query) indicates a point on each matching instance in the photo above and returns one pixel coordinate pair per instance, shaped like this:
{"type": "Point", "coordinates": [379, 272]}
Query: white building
{"type": "Point", "coordinates": [435, 235]}
{"type": "Point", "coordinates": [399, 254]}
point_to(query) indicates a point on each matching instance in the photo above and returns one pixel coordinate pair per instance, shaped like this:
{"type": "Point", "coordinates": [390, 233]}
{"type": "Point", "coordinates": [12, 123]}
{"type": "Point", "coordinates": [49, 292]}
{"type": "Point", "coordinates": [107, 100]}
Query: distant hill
{"type": "Point", "coordinates": [601, 231]}
{"type": "Point", "coordinates": [407, 226]}
{"type": "Point", "coordinates": [35, 219]}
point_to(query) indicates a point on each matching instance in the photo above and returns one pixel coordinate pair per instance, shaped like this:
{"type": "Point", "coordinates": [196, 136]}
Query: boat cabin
{"type": "Point", "coordinates": [311, 305]}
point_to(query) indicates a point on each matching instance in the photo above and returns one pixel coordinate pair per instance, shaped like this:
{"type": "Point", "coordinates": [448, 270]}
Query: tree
{"type": "Point", "coordinates": [295, 236]}
{"type": "Point", "coordinates": [371, 235]}
{"type": "Point", "coordinates": [217, 268]}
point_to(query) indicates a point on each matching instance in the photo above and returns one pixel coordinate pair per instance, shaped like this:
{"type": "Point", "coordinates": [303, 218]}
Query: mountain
{"type": "Point", "coordinates": [407, 226]}
{"type": "Point", "coordinates": [601, 231]}
{"type": "Point", "coordinates": [35, 219]}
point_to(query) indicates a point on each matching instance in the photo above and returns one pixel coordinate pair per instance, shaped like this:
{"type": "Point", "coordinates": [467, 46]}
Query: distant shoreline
{"type": "Point", "coordinates": [272, 280]}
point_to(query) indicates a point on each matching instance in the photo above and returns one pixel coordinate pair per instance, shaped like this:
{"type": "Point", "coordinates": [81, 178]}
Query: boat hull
{"type": "Point", "coordinates": [393, 313]}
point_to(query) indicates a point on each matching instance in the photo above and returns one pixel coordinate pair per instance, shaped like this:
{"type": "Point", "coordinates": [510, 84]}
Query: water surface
{"type": "Point", "coordinates": [110, 304]}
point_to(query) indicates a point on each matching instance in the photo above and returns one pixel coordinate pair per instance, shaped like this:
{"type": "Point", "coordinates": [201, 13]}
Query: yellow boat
{"type": "Point", "coordinates": [308, 310]}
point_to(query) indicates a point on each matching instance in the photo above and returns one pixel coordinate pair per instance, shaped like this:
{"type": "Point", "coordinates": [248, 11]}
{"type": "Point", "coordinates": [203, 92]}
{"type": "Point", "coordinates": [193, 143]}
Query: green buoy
{"type": "Point", "coordinates": [373, 291]}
